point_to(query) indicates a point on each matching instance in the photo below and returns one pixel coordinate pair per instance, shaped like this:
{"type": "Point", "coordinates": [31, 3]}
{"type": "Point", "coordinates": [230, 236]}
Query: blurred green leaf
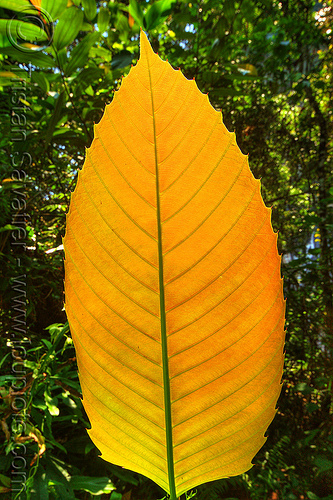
{"type": "Point", "coordinates": [116, 496]}
{"type": "Point", "coordinates": [211, 76]}
{"type": "Point", "coordinates": [94, 485]}
{"type": "Point", "coordinates": [52, 404]}
{"type": "Point", "coordinates": [310, 436]}
{"type": "Point", "coordinates": [248, 9]}
{"type": "Point", "coordinates": [8, 227]}
{"type": "Point", "coordinates": [5, 480]}
{"type": "Point", "coordinates": [79, 54]}
{"type": "Point", "coordinates": [87, 76]}
{"type": "Point", "coordinates": [229, 9]}
{"type": "Point", "coordinates": [54, 8]}
{"type": "Point", "coordinates": [21, 31]}
{"type": "Point", "coordinates": [59, 478]}
{"type": "Point", "coordinates": [103, 19]}
{"type": "Point", "coordinates": [312, 219]}
{"type": "Point", "coordinates": [312, 496]}
{"type": "Point", "coordinates": [39, 488]}
{"type": "Point", "coordinates": [241, 77]}
{"type": "Point", "coordinates": [323, 463]}
{"type": "Point", "coordinates": [16, 5]}
{"type": "Point", "coordinates": [101, 52]}
{"type": "Point", "coordinates": [136, 12]}
{"type": "Point", "coordinates": [122, 26]}
{"type": "Point", "coordinates": [87, 27]}
{"type": "Point", "coordinates": [89, 91]}
{"type": "Point", "coordinates": [62, 58]}
{"type": "Point", "coordinates": [37, 58]}
{"type": "Point", "coordinates": [311, 407]}
{"type": "Point", "coordinates": [11, 184]}
{"type": "Point", "coordinates": [122, 59]}
{"type": "Point", "coordinates": [6, 78]}
{"type": "Point", "coordinates": [303, 387]}
{"type": "Point", "coordinates": [89, 7]}
{"type": "Point", "coordinates": [226, 91]}
{"type": "Point", "coordinates": [156, 13]}
{"type": "Point", "coordinates": [56, 115]}
{"type": "Point", "coordinates": [68, 26]}
{"type": "Point", "coordinates": [41, 80]}
{"type": "Point", "coordinates": [124, 474]}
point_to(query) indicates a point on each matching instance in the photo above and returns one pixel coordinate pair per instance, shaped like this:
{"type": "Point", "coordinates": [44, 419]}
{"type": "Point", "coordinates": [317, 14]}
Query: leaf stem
{"type": "Point", "coordinates": [165, 361]}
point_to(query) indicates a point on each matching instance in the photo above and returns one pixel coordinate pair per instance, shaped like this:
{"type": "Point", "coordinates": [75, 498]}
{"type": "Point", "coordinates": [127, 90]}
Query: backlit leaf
{"type": "Point", "coordinates": [173, 288]}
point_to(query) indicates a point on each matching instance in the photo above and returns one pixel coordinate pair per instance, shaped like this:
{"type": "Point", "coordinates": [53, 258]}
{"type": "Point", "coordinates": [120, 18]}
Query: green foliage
{"type": "Point", "coordinates": [50, 427]}
{"type": "Point", "coordinates": [268, 65]}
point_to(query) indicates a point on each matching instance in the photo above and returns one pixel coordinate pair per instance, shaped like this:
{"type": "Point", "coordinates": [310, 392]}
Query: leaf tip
{"type": "Point", "coordinates": [145, 47]}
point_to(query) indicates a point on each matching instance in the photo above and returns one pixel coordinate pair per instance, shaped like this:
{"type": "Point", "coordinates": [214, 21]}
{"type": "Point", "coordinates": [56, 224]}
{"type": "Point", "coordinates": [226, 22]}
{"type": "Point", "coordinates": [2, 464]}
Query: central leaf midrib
{"type": "Point", "coordinates": [165, 360]}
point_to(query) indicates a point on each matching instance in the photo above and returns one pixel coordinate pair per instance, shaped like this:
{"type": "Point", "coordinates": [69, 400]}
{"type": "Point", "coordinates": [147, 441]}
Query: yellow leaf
{"type": "Point", "coordinates": [249, 69]}
{"type": "Point", "coordinates": [8, 74]}
{"type": "Point", "coordinates": [173, 288]}
{"type": "Point", "coordinates": [36, 3]}
{"type": "Point", "coordinates": [130, 21]}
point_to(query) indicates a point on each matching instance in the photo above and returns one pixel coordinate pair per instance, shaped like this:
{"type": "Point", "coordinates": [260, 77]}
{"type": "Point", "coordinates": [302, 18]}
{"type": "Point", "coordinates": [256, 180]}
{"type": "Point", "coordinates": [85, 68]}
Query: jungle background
{"type": "Point", "coordinates": [268, 65]}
